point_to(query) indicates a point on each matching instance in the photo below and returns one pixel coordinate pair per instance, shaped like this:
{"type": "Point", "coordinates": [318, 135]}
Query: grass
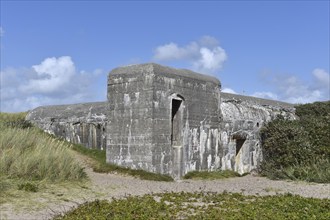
{"type": "Point", "coordinates": [16, 120]}
{"type": "Point", "coordinates": [23, 196]}
{"type": "Point", "coordinates": [203, 205]}
{"type": "Point", "coordinates": [211, 175]}
{"type": "Point", "coordinates": [101, 166]}
{"type": "Point", "coordinates": [29, 156]}
{"type": "Point", "coordinates": [28, 186]}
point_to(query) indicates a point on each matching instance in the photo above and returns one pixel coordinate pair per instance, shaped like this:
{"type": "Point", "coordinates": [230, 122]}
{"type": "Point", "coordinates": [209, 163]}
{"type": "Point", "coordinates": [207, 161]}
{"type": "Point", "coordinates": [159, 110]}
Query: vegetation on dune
{"type": "Point", "coordinates": [299, 149]}
{"type": "Point", "coordinates": [101, 166]}
{"type": "Point", "coordinates": [30, 156]}
{"type": "Point", "coordinates": [14, 120]}
{"type": "Point", "coordinates": [221, 174]}
{"type": "Point", "coordinates": [203, 205]}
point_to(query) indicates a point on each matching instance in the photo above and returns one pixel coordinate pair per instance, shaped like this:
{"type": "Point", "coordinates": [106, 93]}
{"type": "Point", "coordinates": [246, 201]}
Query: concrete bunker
{"type": "Point", "coordinates": [168, 121]}
{"type": "Point", "coordinates": [163, 120]}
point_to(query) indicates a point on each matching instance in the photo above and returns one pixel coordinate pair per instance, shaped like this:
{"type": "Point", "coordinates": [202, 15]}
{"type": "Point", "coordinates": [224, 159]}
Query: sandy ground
{"type": "Point", "coordinates": [57, 199]}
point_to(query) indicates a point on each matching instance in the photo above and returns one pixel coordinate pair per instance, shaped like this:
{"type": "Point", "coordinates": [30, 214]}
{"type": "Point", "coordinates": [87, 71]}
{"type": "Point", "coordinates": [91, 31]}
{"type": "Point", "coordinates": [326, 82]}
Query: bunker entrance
{"type": "Point", "coordinates": [239, 144]}
{"type": "Point", "coordinates": [176, 122]}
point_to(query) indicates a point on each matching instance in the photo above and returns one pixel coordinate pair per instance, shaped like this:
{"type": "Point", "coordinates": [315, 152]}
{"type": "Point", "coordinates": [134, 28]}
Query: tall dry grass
{"type": "Point", "coordinates": [28, 154]}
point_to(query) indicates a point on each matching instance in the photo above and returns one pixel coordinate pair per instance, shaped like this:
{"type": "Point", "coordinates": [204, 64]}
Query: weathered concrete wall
{"type": "Point", "coordinates": [168, 121]}
{"type": "Point", "coordinates": [80, 123]}
{"type": "Point", "coordinates": [130, 119]}
{"type": "Point", "coordinates": [197, 146]}
{"type": "Point", "coordinates": [163, 120]}
{"type": "Point", "coordinates": [243, 117]}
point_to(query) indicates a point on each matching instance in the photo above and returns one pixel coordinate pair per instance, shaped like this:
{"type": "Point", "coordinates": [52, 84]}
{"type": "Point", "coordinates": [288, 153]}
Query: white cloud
{"type": "Point", "coordinates": [312, 96]}
{"type": "Point", "coordinates": [210, 60]}
{"type": "Point", "coordinates": [54, 81]}
{"type": "Point", "coordinates": [52, 75]}
{"type": "Point", "coordinates": [204, 55]}
{"type": "Point", "coordinates": [293, 90]}
{"type": "Point", "coordinates": [172, 51]}
{"type": "Point", "coordinates": [265, 95]}
{"type": "Point", "coordinates": [228, 90]}
{"type": "Point", "coordinates": [322, 77]}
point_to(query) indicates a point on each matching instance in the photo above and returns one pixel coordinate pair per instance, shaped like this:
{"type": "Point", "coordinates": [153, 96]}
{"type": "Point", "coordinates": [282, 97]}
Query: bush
{"type": "Point", "coordinates": [299, 149]}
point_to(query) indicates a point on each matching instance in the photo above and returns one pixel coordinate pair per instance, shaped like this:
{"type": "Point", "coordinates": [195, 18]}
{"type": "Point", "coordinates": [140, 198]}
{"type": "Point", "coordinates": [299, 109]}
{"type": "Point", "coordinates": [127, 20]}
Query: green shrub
{"type": "Point", "coordinates": [299, 149]}
{"type": "Point", "coordinates": [316, 109]}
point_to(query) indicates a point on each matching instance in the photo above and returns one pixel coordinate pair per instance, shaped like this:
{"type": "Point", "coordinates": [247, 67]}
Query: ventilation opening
{"type": "Point", "coordinates": [175, 120]}
{"type": "Point", "coordinates": [239, 144]}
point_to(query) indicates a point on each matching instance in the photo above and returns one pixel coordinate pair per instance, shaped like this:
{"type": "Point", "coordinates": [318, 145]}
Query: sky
{"type": "Point", "coordinates": [60, 52]}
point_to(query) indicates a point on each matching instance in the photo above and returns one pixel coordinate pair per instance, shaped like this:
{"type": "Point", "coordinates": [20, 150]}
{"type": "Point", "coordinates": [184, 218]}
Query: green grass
{"type": "Point", "coordinates": [203, 205]}
{"type": "Point", "coordinates": [28, 155]}
{"type": "Point", "coordinates": [14, 120]}
{"type": "Point", "coordinates": [211, 175]}
{"type": "Point", "coordinates": [100, 165]}
{"type": "Point", "coordinates": [28, 186]}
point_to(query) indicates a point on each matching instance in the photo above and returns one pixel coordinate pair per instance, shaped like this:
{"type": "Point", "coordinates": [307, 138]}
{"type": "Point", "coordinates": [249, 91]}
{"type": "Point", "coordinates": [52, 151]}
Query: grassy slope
{"type": "Point", "coordinates": [28, 156]}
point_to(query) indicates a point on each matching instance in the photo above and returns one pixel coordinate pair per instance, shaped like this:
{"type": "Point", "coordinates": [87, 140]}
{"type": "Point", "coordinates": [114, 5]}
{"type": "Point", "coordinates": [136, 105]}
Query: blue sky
{"type": "Point", "coordinates": [60, 52]}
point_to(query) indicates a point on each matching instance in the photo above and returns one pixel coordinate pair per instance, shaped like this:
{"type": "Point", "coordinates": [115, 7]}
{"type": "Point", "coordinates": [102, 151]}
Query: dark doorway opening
{"type": "Point", "coordinates": [175, 121]}
{"type": "Point", "coordinates": [239, 144]}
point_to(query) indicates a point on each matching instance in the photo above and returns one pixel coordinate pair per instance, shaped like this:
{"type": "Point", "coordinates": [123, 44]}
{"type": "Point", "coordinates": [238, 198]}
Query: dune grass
{"type": "Point", "coordinates": [29, 156]}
